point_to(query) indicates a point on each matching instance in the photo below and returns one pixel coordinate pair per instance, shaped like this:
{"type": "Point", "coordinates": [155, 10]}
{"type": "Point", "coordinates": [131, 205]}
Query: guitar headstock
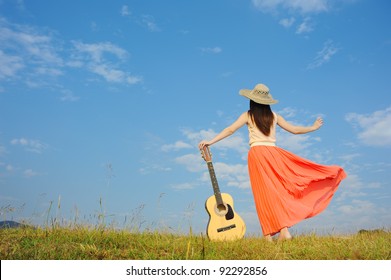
{"type": "Point", "coordinates": [206, 154]}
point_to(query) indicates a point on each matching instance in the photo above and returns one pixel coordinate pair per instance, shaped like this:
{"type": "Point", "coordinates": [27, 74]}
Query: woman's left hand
{"type": "Point", "coordinates": [203, 143]}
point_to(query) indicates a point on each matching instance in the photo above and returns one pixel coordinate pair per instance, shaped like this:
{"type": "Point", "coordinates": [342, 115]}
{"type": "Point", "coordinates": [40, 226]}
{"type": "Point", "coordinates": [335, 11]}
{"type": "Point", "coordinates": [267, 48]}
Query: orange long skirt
{"type": "Point", "coordinates": [287, 188]}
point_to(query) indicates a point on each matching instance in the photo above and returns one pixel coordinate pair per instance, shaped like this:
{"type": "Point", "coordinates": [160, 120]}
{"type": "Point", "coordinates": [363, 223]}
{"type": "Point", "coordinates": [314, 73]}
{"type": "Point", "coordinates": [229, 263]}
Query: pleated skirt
{"type": "Point", "coordinates": [287, 188]}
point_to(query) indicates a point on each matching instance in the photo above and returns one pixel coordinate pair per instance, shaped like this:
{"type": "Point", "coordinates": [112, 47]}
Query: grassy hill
{"type": "Point", "coordinates": [76, 243]}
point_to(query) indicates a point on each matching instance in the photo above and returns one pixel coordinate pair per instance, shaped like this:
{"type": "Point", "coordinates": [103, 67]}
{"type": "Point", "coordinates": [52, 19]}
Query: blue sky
{"type": "Point", "coordinates": [102, 104]}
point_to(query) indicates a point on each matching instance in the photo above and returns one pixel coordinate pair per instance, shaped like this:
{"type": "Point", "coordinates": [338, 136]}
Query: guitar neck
{"type": "Point", "coordinates": [215, 185]}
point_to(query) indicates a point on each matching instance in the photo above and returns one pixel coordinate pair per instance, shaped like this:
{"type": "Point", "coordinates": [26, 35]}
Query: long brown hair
{"type": "Point", "coordinates": [262, 116]}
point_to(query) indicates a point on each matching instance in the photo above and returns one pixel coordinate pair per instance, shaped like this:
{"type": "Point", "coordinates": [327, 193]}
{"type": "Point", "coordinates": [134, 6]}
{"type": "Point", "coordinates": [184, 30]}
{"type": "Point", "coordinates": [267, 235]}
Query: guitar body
{"type": "Point", "coordinates": [224, 223]}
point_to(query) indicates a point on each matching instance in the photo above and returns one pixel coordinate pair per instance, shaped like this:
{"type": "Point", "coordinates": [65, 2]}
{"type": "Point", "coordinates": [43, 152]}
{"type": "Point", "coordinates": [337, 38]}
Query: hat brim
{"type": "Point", "coordinates": [264, 101]}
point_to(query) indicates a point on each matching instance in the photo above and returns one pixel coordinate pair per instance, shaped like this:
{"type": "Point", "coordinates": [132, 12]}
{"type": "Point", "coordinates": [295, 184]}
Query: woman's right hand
{"type": "Point", "coordinates": [318, 123]}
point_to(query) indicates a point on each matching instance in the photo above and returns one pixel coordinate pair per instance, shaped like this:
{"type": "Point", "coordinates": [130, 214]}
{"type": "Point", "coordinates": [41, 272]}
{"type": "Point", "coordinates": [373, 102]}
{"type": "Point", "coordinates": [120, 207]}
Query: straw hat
{"type": "Point", "coordinates": [260, 94]}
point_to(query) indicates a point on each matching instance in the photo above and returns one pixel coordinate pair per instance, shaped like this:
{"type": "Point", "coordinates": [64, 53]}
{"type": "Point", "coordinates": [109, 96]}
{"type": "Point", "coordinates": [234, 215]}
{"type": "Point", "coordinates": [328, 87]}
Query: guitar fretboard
{"type": "Point", "coordinates": [215, 185]}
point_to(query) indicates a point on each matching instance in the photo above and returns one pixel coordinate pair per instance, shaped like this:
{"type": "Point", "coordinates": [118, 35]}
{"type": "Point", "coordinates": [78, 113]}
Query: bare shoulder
{"type": "Point", "coordinates": [244, 117]}
{"type": "Point", "coordinates": [283, 123]}
{"type": "Point", "coordinates": [279, 118]}
{"type": "Point", "coordinates": [242, 120]}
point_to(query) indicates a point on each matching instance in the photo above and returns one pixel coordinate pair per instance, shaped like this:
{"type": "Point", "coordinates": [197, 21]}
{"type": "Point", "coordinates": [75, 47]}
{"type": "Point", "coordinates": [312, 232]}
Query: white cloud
{"type": "Point", "coordinates": [144, 20]}
{"type": "Point", "coordinates": [236, 142]}
{"type": "Point", "coordinates": [110, 74]}
{"type": "Point", "coordinates": [308, 6]}
{"type": "Point", "coordinates": [184, 186]}
{"type": "Point", "coordinates": [266, 4]}
{"type": "Point", "coordinates": [23, 47]}
{"type": "Point", "coordinates": [21, 141]}
{"type": "Point", "coordinates": [214, 50]}
{"type": "Point", "coordinates": [295, 9]}
{"type": "Point", "coordinates": [349, 157]}
{"type": "Point", "coordinates": [353, 185]}
{"type": "Point", "coordinates": [95, 56]}
{"type": "Point", "coordinates": [178, 145]}
{"type": "Point", "coordinates": [125, 11]}
{"type": "Point", "coordinates": [94, 26]}
{"type": "Point", "coordinates": [324, 55]}
{"type": "Point", "coordinates": [287, 22]}
{"type": "Point", "coordinates": [97, 51]}
{"type": "Point", "coordinates": [192, 162]}
{"type": "Point", "coordinates": [196, 136]}
{"type": "Point", "coordinates": [37, 47]}
{"type": "Point", "coordinates": [294, 143]}
{"type": "Point", "coordinates": [288, 112]}
{"type": "Point", "coordinates": [3, 150]}
{"type": "Point", "coordinates": [234, 175]}
{"type": "Point", "coordinates": [354, 188]}
{"type": "Point", "coordinates": [30, 173]}
{"type": "Point", "coordinates": [149, 22]}
{"type": "Point", "coordinates": [74, 63]}
{"type": "Point", "coordinates": [7, 167]}
{"type": "Point", "coordinates": [69, 96]}
{"type": "Point", "coordinates": [132, 80]}
{"type": "Point", "coordinates": [10, 65]}
{"type": "Point", "coordinates": [34, 146]}
{"type": "Point", "coordinates": [302, 6]}
{"type": "Point", "coordinates": [349, 217]}
{"type": "Point", "coordinates": [32, 55]}
{"type": "Point", "coordinates": [305, 27]}
{"type": "Point", "coordinates": [375, 128]}
{"type": "Point", "coordinates": [154, 168]}
{"type": "Point", "coordinates": [48, 71]}
{"type": "Point", "coordinates": [357, 208]}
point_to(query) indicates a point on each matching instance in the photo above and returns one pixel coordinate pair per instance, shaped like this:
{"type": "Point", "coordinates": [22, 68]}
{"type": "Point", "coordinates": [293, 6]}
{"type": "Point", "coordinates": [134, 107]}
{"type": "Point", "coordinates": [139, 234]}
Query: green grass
{"type": "Point", "coordinates": [78, 242]}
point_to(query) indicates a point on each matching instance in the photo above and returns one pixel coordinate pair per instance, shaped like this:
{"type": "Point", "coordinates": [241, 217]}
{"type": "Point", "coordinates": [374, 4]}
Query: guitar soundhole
{"type": "Point", "coordinates": [225, 210]}
{"type": "Point", "coordinates": [221, 209]}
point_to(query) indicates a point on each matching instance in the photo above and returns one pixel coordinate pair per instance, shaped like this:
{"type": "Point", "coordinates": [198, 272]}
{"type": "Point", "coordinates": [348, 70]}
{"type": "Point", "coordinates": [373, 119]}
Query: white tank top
{"type": "Point", "coordinates": [256, 137]}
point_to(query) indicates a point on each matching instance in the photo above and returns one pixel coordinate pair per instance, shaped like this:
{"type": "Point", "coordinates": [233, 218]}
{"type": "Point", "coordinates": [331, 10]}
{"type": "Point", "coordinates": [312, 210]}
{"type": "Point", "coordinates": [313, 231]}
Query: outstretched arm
{"type": "Point", "coordinates": [242, 120]}
{"type": "Point", "coordinates": [298, 129]}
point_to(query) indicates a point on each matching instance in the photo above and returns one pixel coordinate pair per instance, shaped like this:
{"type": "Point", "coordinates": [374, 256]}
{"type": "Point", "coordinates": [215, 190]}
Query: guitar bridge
{"type": "Point", "coordinates": [226, 228]}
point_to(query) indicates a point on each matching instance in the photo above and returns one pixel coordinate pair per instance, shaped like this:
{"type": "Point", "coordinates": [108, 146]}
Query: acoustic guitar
{"type": "Point", "coordinates": [224, 223]}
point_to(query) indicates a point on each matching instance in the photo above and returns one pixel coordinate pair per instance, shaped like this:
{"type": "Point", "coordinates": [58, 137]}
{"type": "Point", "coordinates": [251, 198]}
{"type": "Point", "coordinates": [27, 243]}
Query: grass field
{"type": "Point", "coordinates": [84, 243]}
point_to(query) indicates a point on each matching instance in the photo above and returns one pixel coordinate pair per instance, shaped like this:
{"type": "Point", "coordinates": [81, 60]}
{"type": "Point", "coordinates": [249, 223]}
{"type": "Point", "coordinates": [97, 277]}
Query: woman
{"type": "Point", "coordinates": [287, 188]}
